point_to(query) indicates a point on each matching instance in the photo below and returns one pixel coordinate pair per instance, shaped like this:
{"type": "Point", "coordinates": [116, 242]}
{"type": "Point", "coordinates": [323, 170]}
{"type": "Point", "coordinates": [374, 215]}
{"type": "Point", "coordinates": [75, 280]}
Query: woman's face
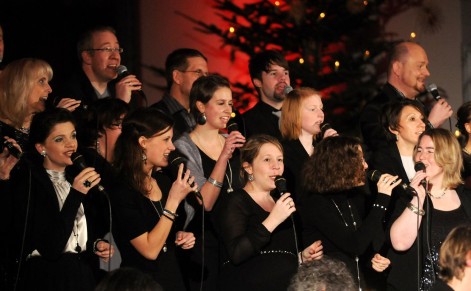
{"type": "Point", "coordinates": [266, 166]}
{"type": "Point", "coordinates": [426, 154]}
{"type": "Point", "coordinates": [111, 136]}
{"type": "Point", "coordinates": [411, 125]}
{"type": "Point", "coordinates": [60, 144]}
{"type": "Point", "coordinates": [158, 147]}
{"type": "Point", "coordinates": [219, 108]}
{"type": "Point", "coordinates": [312, 115]}
{"type": "Point", "coordinates": [39, 93]}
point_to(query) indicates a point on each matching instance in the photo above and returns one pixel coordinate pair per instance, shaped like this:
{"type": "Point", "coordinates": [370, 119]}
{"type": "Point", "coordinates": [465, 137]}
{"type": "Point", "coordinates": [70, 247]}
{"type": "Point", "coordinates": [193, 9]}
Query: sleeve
{"type": "Point", "coordinates": [321, 213]}
{"type": "Point", "coordinates": [241, 238]}
{"type": "Point", "coordinates": [194, 164]}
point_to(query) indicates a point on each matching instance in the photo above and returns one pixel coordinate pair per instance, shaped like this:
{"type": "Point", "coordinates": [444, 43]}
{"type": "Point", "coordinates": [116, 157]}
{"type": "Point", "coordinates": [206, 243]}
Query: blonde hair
{"type": "Point", "coordinates": [290, 124]}
{"type": "Point", "coordinates": [16, 84]}
{"type": "Point", "coordinates": [447, 155]}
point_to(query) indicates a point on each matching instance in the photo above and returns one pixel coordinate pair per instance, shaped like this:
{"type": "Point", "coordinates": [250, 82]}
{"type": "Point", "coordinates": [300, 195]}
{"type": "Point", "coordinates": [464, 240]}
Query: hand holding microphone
{"type": "Point", "coordinates": [387, 182]}
{"type": "Point", "coordinates": [327, 130]}
{"type": "Point", "coordinates": [176, 160]}
{"type": "Point", "coordinates": [441, 110]}
{"type": "Point", "coordinates": [127, 85]}
{"type": "Point", "coordinates": [234, 140]}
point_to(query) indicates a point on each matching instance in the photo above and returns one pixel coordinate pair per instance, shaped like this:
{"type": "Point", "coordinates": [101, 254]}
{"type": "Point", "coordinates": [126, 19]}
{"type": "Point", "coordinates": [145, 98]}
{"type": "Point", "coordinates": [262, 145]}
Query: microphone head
{"type": "Point", "coordinates": [287, 89]}
{"type": "Point", "coordinates": [233, 126]}
{"type": "Point", "coordinates": [419, 166]}
{"type": "Point", "coordinates": [78, 160]}
{"type": "Point", "coordinates": [121, 69]}
{"type": "Point", "coordinates": [326, 126]}
{"type": "Point", "coordinates": [373, 175]}
{"type": "Point", "coordinates": [280, 183]}
{"type": "Point", "coordinates": [433, 89]}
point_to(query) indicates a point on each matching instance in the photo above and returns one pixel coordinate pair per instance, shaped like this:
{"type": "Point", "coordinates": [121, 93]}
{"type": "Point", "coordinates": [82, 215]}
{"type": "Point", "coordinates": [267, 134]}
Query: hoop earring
{"type": "Point", "coordinates": [201, 120]}
{"type": "Point", "coordinates": [251, 178]}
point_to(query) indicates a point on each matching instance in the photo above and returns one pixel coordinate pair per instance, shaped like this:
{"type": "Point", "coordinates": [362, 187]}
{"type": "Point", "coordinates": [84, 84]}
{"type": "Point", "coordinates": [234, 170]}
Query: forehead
{"type": "Point", "coordinates": [312, 99]}
{"type": "Point", "coordinates": [62, 128]}
{"type": "Point", "coordinates": [416, 54]}
{"type": "Point", "coordinates": [409, 110]}
{"type": "Point", "coordinates": [426, 141]}
{"type": "Point", "coordinates": [101, 38]}
{"type": "Point", "coordinates": [275, 67]}
{"type": "Point", "coordinates": [194, 62]}
{"type": "Point", "coordinates": [222, 93]}
{"type": "Point", "coordinates": [269, 149]}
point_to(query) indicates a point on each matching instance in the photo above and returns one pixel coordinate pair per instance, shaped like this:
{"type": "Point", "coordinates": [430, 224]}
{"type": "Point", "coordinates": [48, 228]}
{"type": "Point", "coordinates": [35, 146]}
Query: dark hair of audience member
{"type": "Point", "coordinates": [321, 175]}
{"type": "Point", "coordinates": [128, 279]}
{"type": "Point", "coordinates": [327, 274]}
{"type": "Point", "coordinates": [454, 253]}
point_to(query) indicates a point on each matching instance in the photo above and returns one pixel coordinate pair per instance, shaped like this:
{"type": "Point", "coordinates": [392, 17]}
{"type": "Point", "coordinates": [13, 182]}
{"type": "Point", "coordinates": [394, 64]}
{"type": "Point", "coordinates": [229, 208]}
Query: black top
{"type": "Point", "coordinates": [254, 258]}
{"type": "Point", "coordinates": [260, 119]}
{"type": "Point", "coordinates": [466, 172]}
{"type": "Point", "coordinates": [294, 158]}
{"type": "Point", "coordinates": [133, 215]}
{"type": "Point", "coordinates": [184, 121]}
{"type": "Point", "coordinates": [441, 286]}
{"type": "Point", "coordinates": [328, 217]}
{"type": "Point", "coordinates": [372, 130]}
{"type": "Point", "coordinates": [403, 268]}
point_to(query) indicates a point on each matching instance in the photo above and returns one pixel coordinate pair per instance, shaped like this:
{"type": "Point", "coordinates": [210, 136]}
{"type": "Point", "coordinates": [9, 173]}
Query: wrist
{"type": "Point", "coordinates": [95, 244]}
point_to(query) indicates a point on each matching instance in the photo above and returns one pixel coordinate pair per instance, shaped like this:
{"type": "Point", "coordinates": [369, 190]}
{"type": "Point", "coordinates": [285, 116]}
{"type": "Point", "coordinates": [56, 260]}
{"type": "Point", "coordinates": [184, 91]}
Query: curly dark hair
{"type": "Point", "coordinates": [336, 165]}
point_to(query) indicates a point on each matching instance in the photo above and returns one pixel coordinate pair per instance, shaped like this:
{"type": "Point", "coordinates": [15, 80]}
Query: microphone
{"type": "Point", "coordinates": [432, 88]}
{"type": "Point", "coordinates": [232, 127]}
{"type": "Point", "coordinates": [287, 89]}
{"type": "Point", "coordinates": [375, 175]}
{"type": "Point", "coordinates": [419, 166]}
{"type": "Point", "coordinates": [79, 162]}
{"type": "Point", "coordinates": [10, 147]}
{"type": "Point", "coordinates": [326, 126]}
{"type": "Point", "coordinates": [280, 183]}
{"type": "Point", "coordinates": [123, 72]}
{"type": "Point", "coordinates": [176, 158]}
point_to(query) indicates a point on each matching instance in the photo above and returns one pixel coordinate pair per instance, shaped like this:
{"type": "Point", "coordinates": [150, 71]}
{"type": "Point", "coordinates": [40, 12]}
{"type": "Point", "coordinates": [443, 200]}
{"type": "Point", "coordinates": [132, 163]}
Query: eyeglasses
{"type": "Point", "coordinates": [199, 73]}
{"type": "Point", "coordinates": [109, 50]}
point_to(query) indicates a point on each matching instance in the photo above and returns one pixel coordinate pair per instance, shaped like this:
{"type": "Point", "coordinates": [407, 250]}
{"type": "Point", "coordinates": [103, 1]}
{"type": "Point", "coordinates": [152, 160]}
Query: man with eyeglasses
{"type": "Point", "coordinates": [100, 55]}
{"type": "Point", "coordinates": [182, 67]}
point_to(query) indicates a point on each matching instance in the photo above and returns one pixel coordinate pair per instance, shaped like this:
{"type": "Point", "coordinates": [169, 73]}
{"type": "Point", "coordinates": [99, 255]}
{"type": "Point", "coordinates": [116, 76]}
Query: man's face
{"type": "Point", "coordinates": [273, 84]}
{"type": "Point", "coordinates": [103, 63]}
{"type": "Point", "coordinates": [197, 67]}
{"type": "Point", "coordinates": [413, 71]}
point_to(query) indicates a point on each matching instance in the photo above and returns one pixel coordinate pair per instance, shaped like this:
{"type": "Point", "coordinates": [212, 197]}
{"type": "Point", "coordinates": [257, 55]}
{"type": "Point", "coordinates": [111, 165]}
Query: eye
{"type": "Point", "coordinates": [286, 73]}
{"type": "Point", "coordinates": [58, 139]}
{"type": "Point", "coordinates": [74, 135]}
{"type": "Point", "coordinates": [280, 160]}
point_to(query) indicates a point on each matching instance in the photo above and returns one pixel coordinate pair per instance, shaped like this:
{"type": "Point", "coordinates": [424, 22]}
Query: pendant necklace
{"type": "Point", "coordinates": [229, 181]}
{"type": "Point", "coordinates": [78, 248]}
{"type": "Point", "coordinates": [164, 248]}
{"type": "Point", "coordinates": [355, 227]}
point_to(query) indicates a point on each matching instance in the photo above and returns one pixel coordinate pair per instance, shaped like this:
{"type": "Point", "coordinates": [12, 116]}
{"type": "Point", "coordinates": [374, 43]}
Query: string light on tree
{"type": "Point", "coordinates": [413, 35]}
{"type": "Point", "coordinates": [301, 60]}
{"type": "Point", "coordinates": [366, 54]}
{"type": "Point", "coordinates": [231, 29]}
{"type": "Point", "coordinates": [277, 3]}
{"type": "Point", "coordinates": [337, 65]}
{"type": "Point", "coordinates": [321, 16]}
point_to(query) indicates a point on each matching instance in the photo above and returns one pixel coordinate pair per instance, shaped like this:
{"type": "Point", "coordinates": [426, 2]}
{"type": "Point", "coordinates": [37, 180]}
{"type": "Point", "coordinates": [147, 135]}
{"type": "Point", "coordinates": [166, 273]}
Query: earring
{"type": "Point", "coordinates": [201, 120]}
{"type": "Point", "coordinates": [144, 158]}
{"type": "Point", "coordinates": [397, 137]}
{"type": "Point", "coordinates": [250, 177]}
{"type": "Point", "coordinates": [43, 153]}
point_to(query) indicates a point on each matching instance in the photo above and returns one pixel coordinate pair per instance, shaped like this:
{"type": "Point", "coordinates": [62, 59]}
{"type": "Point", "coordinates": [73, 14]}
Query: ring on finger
{"type": "Point", "coordinates": [87, 183]}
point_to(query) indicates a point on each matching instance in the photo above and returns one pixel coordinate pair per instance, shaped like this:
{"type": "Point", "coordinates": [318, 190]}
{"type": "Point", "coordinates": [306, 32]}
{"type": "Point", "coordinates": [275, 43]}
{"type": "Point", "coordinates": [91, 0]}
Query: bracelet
{"type": "Point", "coordinates": [95, 249]}
{"type": "Point", "coordinates": [166, 211]}
{"type": "Point", "coordinates": [168, 217]}
{"type": "Point", "coordinates": [429, 124]}
{"type": "Point", "coordinates": [416, 210]}
{"type": "Point", "coordinates": [214, 182]}
{"type": "Point", "coordinates": [380, 206]}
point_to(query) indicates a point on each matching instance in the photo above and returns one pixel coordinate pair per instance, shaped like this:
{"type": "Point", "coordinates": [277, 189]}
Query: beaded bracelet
{"type": "Point", "coordinates": [214, 182]}
{"type": "Point", "coordinates": [416, 210]}
{"type": "Point", "coordinates": [168, 212]}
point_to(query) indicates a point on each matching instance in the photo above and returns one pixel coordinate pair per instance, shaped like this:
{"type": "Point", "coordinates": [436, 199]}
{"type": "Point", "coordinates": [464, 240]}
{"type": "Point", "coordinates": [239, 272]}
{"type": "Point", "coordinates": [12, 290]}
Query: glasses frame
{"type": "Point", "coordinates": [109, 50]}
{"type": "Point", "coordinates": [200, 73]}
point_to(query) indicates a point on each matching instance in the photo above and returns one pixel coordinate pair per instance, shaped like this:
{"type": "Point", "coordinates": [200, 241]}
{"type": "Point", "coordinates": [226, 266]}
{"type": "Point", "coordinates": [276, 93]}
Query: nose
{"type": "Point", "coordinates": [49, 89]}
{"type": "Point", "coordinates": [171, 146]}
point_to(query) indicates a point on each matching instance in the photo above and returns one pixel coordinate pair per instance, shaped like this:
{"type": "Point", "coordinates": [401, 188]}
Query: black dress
{"type": "Point", "coordinates": [254, 258]}
{"type": "Point", "coordinates": [330, 217]}
{"type": "Point", "coordinates": [133, 215]}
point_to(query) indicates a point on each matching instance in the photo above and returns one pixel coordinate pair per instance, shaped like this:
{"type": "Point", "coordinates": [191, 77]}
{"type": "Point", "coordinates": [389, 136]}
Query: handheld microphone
{"type": "Point", "coordinates": [432, 88]}
{"type": "Point", "coordinates": [280, 183]}
{"type": "Point", "coordinates": [287, 89]}
{"type": "Point", "coordinates": [10, 147]}
{"type": "Point", "coordinates": [123, 72]}
{"type": "Point", "coordinates": [232, 127]}
{"type": "Point", "coordinates": [79, 162]}
{"type": "Point", "coordinates": [419, 166]}
{"type": "Point", "coordinates": [176, 158]}
{"type": "Point", "coordinates": [375, 175]}
{"type": "Point", "coordinates": [326, 126]}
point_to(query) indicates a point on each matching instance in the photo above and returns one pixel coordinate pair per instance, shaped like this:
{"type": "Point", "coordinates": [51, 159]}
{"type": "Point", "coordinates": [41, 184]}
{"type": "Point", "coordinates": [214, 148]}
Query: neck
{"type": "Point", "coordinates": [460, 285]}
{"type": "Point", "coordinates": [180, 97]}
{"type": "Point", "coordinates": [467, 147]}
{"type": "Point", "coordinates": [405, 148]}
{"type": "Point", "coordinates": [306, 140]}
{"type": "Point", "coordinates": [272, 103]}
{"type": "Point", "coordinates": [409, 94]}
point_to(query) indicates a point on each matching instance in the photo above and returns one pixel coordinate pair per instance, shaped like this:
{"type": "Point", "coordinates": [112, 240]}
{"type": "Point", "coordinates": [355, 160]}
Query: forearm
{"type": "Point", "coordinates": [404, 230]}
{"type": "Point", "coordinates": [210, 191]}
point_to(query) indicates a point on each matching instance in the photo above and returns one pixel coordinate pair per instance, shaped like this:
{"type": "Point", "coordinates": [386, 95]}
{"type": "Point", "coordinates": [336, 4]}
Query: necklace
{"type": "Point", "coordinates": [78, 248]}
{"type": "Point", "coordinates": [155, 208]}
{"type": "Point", "coordinates": [204, 148]}
{"type": "Point", "coordinates": [439, 196]}
{"type": "Point", "coordinates": [355, 227]}
{"type": "Point", "coordinates": [229, 181]}
{"type": "Point", "coordinates": [466, 151]}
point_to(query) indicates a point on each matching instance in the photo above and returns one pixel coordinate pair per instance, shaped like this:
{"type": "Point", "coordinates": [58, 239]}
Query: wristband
{"type": "Point", "coordinates": [168, 217]}
{"type": "Point", "coordinates": [214, 182]}
{"type": "Point", "coordinates": [168, 212]}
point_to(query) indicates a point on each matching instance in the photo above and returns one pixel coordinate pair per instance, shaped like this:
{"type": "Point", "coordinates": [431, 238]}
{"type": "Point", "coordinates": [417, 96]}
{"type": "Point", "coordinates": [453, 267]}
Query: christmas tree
{"type": "Point", "coordinates": [338, 47]}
